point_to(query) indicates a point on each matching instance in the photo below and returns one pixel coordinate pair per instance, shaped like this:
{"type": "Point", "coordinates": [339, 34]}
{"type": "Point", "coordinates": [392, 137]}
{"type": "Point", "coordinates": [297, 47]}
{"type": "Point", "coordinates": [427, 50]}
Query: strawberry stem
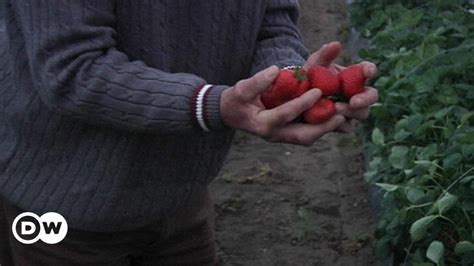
{"type": "Point", "coordinates": [301, 75]}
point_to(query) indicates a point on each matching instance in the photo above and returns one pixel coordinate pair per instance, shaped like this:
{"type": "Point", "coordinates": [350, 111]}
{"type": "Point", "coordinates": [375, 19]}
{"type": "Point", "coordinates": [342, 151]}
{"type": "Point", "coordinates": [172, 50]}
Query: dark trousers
{"type": "Point", "coordinates": [184, 239]}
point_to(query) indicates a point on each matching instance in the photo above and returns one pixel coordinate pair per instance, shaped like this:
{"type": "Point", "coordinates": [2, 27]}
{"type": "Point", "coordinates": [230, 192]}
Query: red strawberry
{"type": "Point", "coordinates": [323, 79]}
{"type": "Point", "coordinates": [352, 80]}
{"type": "Point", "coordinates": [288, 85]}
{"type": "Point", "coordinates": [303, 83]}
{"type": "Point", "coordinates": [284, 84]}
{"type": "Point", "coordinates": [270, 101]}
{"type": "Point", "coordinates": [321, 111]}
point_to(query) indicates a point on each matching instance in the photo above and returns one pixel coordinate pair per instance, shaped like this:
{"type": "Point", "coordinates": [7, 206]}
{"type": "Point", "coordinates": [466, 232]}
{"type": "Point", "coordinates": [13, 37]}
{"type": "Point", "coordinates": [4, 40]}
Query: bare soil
{"type": "Point", "coordinates": [280, 204]}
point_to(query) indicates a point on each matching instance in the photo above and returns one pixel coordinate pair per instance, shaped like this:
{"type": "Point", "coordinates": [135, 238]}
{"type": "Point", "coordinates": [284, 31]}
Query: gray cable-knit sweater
{"type": "Point", "coordinates": [96, 96]}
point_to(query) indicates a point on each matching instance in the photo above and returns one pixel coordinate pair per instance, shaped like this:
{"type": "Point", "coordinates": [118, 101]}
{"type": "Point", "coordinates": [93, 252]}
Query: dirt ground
{"type": "Point", "coordinates": [280, 204]}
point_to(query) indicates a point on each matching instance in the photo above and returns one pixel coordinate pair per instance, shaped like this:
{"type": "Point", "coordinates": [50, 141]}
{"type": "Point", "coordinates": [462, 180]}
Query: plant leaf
{"type": "Point", "coordinates": [401, 135]}
{"type": "Point", "coordinates": [387, 187]}
{"type": "Point", "coordinates": [435, 252]}
{"type": "Point", "coordinates": [467, 179]}
{"type": "Point", "coordinates": [378, 137]}
{"type": "Point", "coordinates": [398, 157]}
{"type": "Point", "coordinates": [428, 151]}
{"type": "Point", "coordinates": [467, 150]}
{"type": "Point", "coordinates": [446, 202]}
{"type": "Point", "coordinates": [453, 160]}
{"type": "Point", "coordinates": [414, 195]}
{"type": "Point", "coordinates": [464, 247]}
{"type": "Point", "coordinates": [418, 229]}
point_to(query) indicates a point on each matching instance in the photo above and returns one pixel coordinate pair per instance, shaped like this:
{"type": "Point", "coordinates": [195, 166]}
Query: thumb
{"type": "Point", "coordinates": [325, 55]}
{"type": "Point", "coordinates": [249, 89]}
{"type": "Point", "coordinates": [370, 69]}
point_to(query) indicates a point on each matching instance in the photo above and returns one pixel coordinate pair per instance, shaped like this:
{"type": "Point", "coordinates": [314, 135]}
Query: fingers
{"type": "Point", "coordinates": [249, 89]}
{"type": "Point", "coordinates": [365, 99]}
{"type": "Point", "coordinates": [358, 107]}
{"type": "Point", "coordinates": [324, 56]}
{"type": "Point", "coordinates": [346, 127]}
{"type": "Point", "coordinates": [336, 69]}
{"type": "Point", "coordinates": [370, 69]}
{"type": "Point", "coordinates": [345, 110]}
{"type": "Point", "coordinates": [305, 134]}
{"type": "Point", "coordinates": [289, 111]}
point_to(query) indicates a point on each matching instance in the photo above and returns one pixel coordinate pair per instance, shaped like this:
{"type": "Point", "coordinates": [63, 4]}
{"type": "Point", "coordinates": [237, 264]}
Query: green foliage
{"type": "Point", "coordinates": [420, 137]}
{"type": "Point", "coordinates": [435, 252]}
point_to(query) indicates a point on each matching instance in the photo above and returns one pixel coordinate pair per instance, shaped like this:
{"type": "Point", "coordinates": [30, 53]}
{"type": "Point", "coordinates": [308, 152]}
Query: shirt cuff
{"type": "Point", "coordinates": [206, 107]}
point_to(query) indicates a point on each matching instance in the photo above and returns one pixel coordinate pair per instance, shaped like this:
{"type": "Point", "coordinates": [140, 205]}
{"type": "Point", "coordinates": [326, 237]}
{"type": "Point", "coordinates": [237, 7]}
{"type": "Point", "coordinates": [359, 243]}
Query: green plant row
{"type": "Point", "coordinates": [420, 137]}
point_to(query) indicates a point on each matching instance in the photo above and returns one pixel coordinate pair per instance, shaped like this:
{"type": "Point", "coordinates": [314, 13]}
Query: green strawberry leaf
{"type": "Point", "coordinates": [398, 157]}
{"type": "Point", "coordinates": [467, 179]}
{"type": "Point", "coordinates": [418, 229]}
{"type": "Point", "coordinates": [435, 252]}
{"type": "Point", "coordinates": [464, 247]}
{"type": "Point", "coordinates": [387, 187]}
{"type": "Point", "coordinates": [446, 202]}
{"type": "Point", "coordinates": [452, 161]}
{"type": "Point", "coordinates": [378, 137]}
{"type": "Point", "coordinates": [414, 195]}
{"type": "Point", "coordinates": [401, 135]}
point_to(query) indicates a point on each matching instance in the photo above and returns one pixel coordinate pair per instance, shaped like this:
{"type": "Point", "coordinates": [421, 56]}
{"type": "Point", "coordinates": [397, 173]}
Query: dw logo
{"type": "Point", "coordinates": [28, 228]}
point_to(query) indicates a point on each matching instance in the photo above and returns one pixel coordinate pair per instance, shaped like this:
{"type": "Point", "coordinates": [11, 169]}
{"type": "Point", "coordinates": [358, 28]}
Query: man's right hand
{"type": "Point", "coordinates": [241, 108]}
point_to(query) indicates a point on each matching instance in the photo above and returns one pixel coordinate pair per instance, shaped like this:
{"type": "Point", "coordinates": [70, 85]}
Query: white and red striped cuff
{"type": "Point", "coordinates": [206, 107]}
{"type": "Point", "coordinates": [200, 106]}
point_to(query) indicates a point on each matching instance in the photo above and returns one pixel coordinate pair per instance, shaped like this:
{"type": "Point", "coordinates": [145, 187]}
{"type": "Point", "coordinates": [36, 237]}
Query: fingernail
{"type": "Point", "coordinates": [358, 102]}
{"type": "Point", "coordinates": [316, 92]}
{"type": "Point", "coordinates": [271, 72]}
{"type": "Point", "coordinates": [373, 70]}
{"type": "Point", "coordinates": [370, 70]}
{"type": "Point", "coordinates": [340, 108]}
{"type": "Point", "coordinates": [340, 119]}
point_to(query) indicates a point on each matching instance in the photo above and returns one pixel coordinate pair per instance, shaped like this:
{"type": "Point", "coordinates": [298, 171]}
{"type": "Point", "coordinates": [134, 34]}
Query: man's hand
{"type": "Point", "coordinates": [358, 107]}
{"type": "Point", "coordinates": [241, 108]}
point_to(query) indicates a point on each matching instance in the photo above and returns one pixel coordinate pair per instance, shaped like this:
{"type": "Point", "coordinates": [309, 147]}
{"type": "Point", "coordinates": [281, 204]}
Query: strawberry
{"type": "Point", "coordinates": [270, 100]}
{"type": "Point", "coordinates": [323, 79]}
{"type": "Point", "coordinates": [321, 111]}
{"type": "Point", "coordinates": [303, 84]}
{"type": "Point", "coordinates": [288, 85]}
{"type": "Point", "coordinates": [352, 80]}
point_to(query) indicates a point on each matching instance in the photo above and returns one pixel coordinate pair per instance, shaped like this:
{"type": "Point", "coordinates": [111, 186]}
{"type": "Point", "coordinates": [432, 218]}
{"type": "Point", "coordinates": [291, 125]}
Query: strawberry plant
{"type": "Point", "coordinates": [419, 140]}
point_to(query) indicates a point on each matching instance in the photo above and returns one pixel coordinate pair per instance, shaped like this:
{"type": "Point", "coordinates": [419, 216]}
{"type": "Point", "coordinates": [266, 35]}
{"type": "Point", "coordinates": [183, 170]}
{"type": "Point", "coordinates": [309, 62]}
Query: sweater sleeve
{"type": "Point", "coordinates": [78, 71]}
{"type": "Point", "coordinates": [279, 40]}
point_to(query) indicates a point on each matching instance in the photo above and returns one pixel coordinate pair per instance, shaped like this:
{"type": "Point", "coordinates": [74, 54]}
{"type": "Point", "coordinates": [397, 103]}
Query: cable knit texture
{"type": "Point", "coordinates": [95, 100]}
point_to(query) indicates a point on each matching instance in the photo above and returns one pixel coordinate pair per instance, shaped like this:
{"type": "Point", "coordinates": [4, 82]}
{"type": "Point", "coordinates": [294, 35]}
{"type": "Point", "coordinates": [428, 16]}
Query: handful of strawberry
{"type": "Point", "coordinates": [291, 84]}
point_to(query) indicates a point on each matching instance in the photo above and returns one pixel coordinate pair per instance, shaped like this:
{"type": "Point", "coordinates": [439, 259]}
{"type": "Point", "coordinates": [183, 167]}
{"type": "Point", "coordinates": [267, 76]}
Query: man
{"type": "Point", "coordinates": [109, 118]}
